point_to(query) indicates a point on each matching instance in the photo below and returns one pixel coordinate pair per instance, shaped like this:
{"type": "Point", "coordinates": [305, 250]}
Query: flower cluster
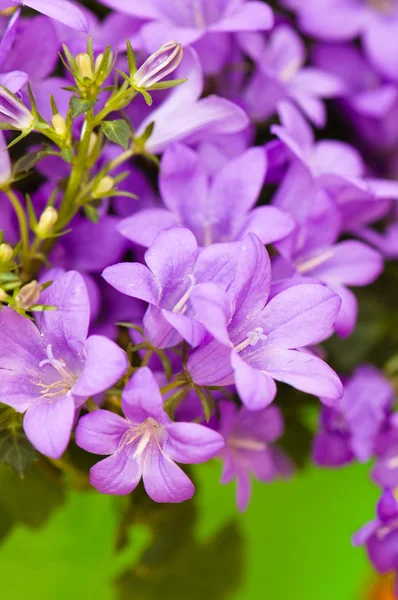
{"type": "Point", "coordinates": [188, 244]}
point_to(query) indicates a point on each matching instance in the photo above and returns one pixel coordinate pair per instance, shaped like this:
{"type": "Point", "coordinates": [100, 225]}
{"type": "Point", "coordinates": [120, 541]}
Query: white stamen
{"type": "Point", "coordinates": [392, 463]}
{"type": "Point", "coordinates": [290, 70]}
{"type": "Point", "coordinates": [382, 532]}
{"type": "Point", "coordinates": [198, 14]}
{"type": "Point", "coordinates": [253, 337]}
{"type": "Point", "coordinates": [180, 306]}
{"type": "Point", "coordinates": [63, 385]}
{"type": "Point", "coordinates": [246, 444]}
{"type": "Point", "coordinates": [314, 262]}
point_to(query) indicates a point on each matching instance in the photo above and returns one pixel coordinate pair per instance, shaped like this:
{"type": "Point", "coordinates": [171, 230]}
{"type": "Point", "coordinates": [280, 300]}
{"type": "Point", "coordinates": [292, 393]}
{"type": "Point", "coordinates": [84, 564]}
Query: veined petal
{"type": "Point", "coordinates": [163, 480]}
{"type": "Point", "coordinates": [212, 308]}
{"type": "Point", "coordinates": [191, 443]}
{"type": "Point", "coordinates": [133, 279]}
{"type": "Point", "coordinates": [60, 10]}
{"type": "Point", "coordinates": [189, 328]}
{"type": "Point", "coordinates": [143, 227]}
{"type": "Point", "coordinates": [100, 431]}
{"type": "Point", "coordinates": [256, 389]}
{"type": "Point", "coordinates": [118, 474]}
{"type": "Point", "coordinates": [141, 398]}
{"type": "Point", "coordinates": [249, 16]}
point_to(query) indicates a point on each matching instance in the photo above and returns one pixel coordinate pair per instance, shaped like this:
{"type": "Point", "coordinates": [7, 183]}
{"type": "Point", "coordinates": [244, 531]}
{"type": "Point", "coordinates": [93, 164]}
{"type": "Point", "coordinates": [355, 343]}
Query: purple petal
{"type": "Point", "coordinates": [190, 443]}
{"type": "Point", "coordinates": [105, 363]}
{"type": "Point", "coordinates": [347, 317]}
{"type": "Point", "coordinates": [60, 10]}
{"type": "Point", "coordinates": [136, 8]}
{"type": "Point", "coordinates": [302, 371]}
{"type": "Point", "coordinates": [158, 330]}
{"type": "Point", "coordinates": [210, 364]}
{"type": "Point", "coordinates": [143, 227]}
{"type": "Point", "coordinates": [299, 316]}
{"type": "Point", "coordinates": [133, 279]}
{"type": "Point", "coordinates": [156, 33]}
{"type": "Point", "coordinates": [343, 23]}
{"type": "Point", "coordinates": [380, 42]}
{"type": "Point", "coordinates": [255, 388]}
{"type": "Point", "coordinates": [69, 323]}
{"type": "Point", "coordinates": [191, 330]}
{"type": "Point", "coordinates": [164, 481]}
{"type": "Point", "coordinates": [48, 425]}
{"type": "Point", "coordinates": [8, 38]}
{"type": "Point", "coordinates": [14, 80]}
{"type": "Point", "coordinates": [118, 474]}
{"type": "Point", "coordinates": [212, 308]}
{"type": "Point", "coordinates": [218, 263]}
{"type": "Point", "coordinates": [268, 223]}
{"type": "Point", "coordinates": [100, 432]}
{"type": "Point", "coordinates": [141, 398]}
{"type": "Point", "coordinates": [243, 490]}
{"type": "Point", "coordinates": [249, 16]}
{"type": "Point", "coordinates": [331, 449]}
{"type": "Point", "coordinates": [362, 536]}
{"type": "Point", "coordinates": [295, 132]}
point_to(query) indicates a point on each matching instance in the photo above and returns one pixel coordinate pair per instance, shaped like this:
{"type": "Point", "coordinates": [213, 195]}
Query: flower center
{"type": "Point", "coordinates": [143, 436]}
{"type": "Point", "coordinates": [238, 443]}
{"type": "Point", "coordinates": [253, 337]}
{"type": "Point", "coordinates": [180, 307]}
{"type": "Point", "coordinates": [59, 386]}
{"type": "Point", "coordinates": [290, 70]}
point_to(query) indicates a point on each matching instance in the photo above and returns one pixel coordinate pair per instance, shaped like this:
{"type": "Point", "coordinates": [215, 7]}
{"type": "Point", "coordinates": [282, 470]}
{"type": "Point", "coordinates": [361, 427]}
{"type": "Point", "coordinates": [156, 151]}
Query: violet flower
{"type": "Point", "coordinates": [186, 116]}
{"type": "Point", "coordinates": [50, 370]}
{"type": "Point", "coordinates": [145, 444]}
{"type": "Point", "coordinates": [376, 21]}
{"type": "Point", "coordinates": [381, 535]}
{"type": "Point", "coordinates": [249, 437]}
{"type": "Point", "coordinates": [14, 112]}
{"type": "Point", "coordinates": [175, 267]}
{"type": "Point", "coordinates": [256, 342]}
{"type": "Point", "coordinates": [350, 429]}
{"type": "Point", "coordinates": [280, 74]}
{"type": "Point", "coordinates": [61, 10]}
{"type": "Point", "coordinates": [218, 211]}
{"type": "Point", "coordinates": [10, 78]}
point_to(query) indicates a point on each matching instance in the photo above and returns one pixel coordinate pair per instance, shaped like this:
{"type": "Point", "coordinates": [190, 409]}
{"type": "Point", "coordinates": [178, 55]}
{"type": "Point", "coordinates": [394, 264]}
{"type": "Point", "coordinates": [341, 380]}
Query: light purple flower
{"type": "Point", "coordinates": [218, 211]}
{"type": "Point", "coordinates": [280, 74]}
{"type": "Point", "coordinates": [249, 437]}
{"type": "Point", "coordinates": [206, 24]}
{"type": "Point", "coordinates": [175, 267]}
{"type": "Point", "coordinates": [61, 10]}
{"type": "Point", "coordinates": [381, 535]}
{"type": "Point", "coordinates": [350, 429]}
{"type": "Point", "coordinates": [376, 21]}
{"type": "Point", "coordinates": [14, 112]}
{"type": "Point", "coordinates": [385, 472]}
{"type": "Point", "coordinates": [186, 116]}
{"type": "Point", "coordinates": [145, 444]}
{"type": "Point", "coordinates": [50, 370]}
{"type": "Point", "coordinates": [256, 342]}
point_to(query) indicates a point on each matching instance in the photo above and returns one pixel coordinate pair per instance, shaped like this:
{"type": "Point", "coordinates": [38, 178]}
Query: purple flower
{"type": "Point", "coordinates": [376, 21]}
{"type": "Point", "coordinates": [50, 370]}
{"type": "Point", "coordinates": [248, 450]}
{"type": "Point", "coordinates": [14, 112]}
{"type": "Point", "coordinates": [220, 211]}
{"type": "Point", "coordinates": [186, 116]}
{"type": "Point", "coordinates": [280, 74]}
{"type": "Point", "coordinates": [10, 78]}
{"type": "Point", "coordinates": [256, 342]}
{"type": "Point", "coordinates": [160, 64]}
{"type": "Point", "coordinates": [381, 535]}
{"type": "Point", "coordinates": [175, 267]}
{"type": "Point", "coordinates": [61, 10]}
{"type": "Point", "coordinates": [145, 444]}
{"type": "Point", "coordinates": [204, 23]}
{"type": "Point", "coordinates": [385, 472]}
{"type": "Point", "coordinates": [350, 429]}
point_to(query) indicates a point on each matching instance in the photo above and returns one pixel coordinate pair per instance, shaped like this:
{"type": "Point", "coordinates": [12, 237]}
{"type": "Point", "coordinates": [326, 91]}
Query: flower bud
{"type": "Point", "coordinates": [13, 111]}
{"type": "Point", "coordinates": [163, 62]}
{"type": "Point", "coordinates": [47, 221]}
{"type": "Point", "coordinates": [6, 253]}
{"type": "Point", "coordinates": [104, 186]}
{"type": "Point", "coordinates": [84, 65]}
{"type": "Point", "coordinates": [3, 295]}
{"type": "Point", "coordinates": [59, 125]}
{"type": "Point", "coordinates": [29, 295]}
{"type": "Point", "coordinates": [92, 143]}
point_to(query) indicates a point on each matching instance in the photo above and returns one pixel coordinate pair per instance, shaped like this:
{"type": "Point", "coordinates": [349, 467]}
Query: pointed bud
{"type": "Point", "coordinates": [160, 64]}
{"type": "Point", "coordinates": [84, 65]}
{"type": "Point", "coordinates": [59, 125]}
{"type": "Point", "coordinates": [92, 143]}
{"type": "Point", "coordinates": [29, 295]}
{"type": "Point", "coordinates": [13, 111]}
{"type": "Point", "coordinates": [104, 186]}
{"type": "Point", "coordinates": [6, 253]}
{"type": "Point", "coordinates": [47, 221]}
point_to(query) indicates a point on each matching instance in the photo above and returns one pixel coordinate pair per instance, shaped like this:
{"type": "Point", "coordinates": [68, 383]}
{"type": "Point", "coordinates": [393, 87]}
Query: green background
{"type": "Point", "coordinates": [293, 542]}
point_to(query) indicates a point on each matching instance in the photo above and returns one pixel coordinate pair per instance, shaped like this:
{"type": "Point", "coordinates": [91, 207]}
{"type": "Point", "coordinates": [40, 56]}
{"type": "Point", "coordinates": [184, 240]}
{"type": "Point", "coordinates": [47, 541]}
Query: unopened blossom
{"type": "Point", "coordinates": [160, 64]}
{"type": "Point", "coordinates": [375, 21]}
{"type": "Point", "coordinates": [49, 370]}
{"type": "Point", "coordinates": [61, 10]}
{"type": "Point", "coordinates": [250, 449]}
{"type": "Point", "coordinates": [381, 535]}
{"type": "Point", "coordinates": [255, 341]}
{"type": "Point", "coordinates": [218, 210]}
{"type": "Point", "coordinates": [175, 266]}
{"type": "Point", "coordinates": [350, 429]}
{"type": "Point", "coordinates": [14, 112]}
{"type": "Point", "coordinates": [280, 74]}
{"type": "Point", "coordinates": [145, 444]}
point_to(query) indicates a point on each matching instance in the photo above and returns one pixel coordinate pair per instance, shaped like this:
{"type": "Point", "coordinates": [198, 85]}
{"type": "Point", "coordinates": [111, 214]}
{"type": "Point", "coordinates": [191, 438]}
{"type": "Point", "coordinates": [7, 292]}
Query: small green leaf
{"type": "Point", "coordinates": [15, 449]}
{"type": "Point", "coordinates": [206, 400]}
{"type": "Point", "coordinates": [79, 106]}
{"type": "Point", "coordinates": [91, 213]}
{"type": "Point", "coordinates": [67, 154]}
{"type": "Point", "coordinates": [28, 161]}
{"type": "Point", "coordinates": [118, 132]}
{"type": "Point", "coordinates": [131, 58]}
{"type": "Point", "coordinates": [165, 85]}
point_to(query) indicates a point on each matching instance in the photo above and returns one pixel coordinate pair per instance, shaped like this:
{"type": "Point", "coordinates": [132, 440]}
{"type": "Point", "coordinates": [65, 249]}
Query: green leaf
{"type": "Point", "coordinates": [28, 161]}
{"type": "Point", "coordinates": [165, 85]}
{"type": "Point", "coordinates": [79, 106]}
{"type": "Point", "coordinates": [91, 213]}
{"type": "Point", "coordinates": [15, 449]}
{"type": "Point", "coordinates": [131, 58]}
{"type": "Point", "coordinates": [67, 154]}
{"type": "Point", "coordinates": [118, 132]}
{"type": "Point", "coordinates": [206, 400]}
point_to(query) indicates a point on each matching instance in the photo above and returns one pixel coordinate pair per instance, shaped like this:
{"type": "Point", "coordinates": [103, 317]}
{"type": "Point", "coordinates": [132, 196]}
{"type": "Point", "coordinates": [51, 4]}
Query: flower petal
{"type": "Point", "coordinates": [256, 389]}
{"type": "Point", "coordinates": [164, 481]}
{"type": "Point", "coordinates": [48, 425]}
{"type": "Point", "coordinates": [191, 443]}
{"type": "Point", "coordinates": [133, 279]}
{"type": "Point", "coordinates": [212, 308]}
{"type": "Point", "coordinates": [249, 16]}
{"type": "Point", "coordinates": [100, 432]}
{"type": "Point", "coordinates": [118, 474]}
{"type": "Point", "coordinates": [60, 10]}
{"type": "Point", "coordinates": [141, 398]}
{"type": "Point", "coordinates": [143, 227]}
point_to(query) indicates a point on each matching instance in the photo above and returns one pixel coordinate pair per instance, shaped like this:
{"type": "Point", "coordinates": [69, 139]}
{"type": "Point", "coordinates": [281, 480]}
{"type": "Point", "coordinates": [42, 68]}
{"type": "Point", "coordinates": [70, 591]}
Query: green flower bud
{"type": "Point", "coordinates": [84, 65]}
{"type": "Point", "coordinates": [29, 295]}
{"type": "Point", "coordinates": [47, 221]}
{"type": "Point", "coordinates": [6, 253]}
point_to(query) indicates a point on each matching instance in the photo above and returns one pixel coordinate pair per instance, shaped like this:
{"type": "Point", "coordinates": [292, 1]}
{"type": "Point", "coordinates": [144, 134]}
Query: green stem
{"type": "Point", "coordinates": [21, 216]}
{"type": "Point", "coordinates": [173, 384]}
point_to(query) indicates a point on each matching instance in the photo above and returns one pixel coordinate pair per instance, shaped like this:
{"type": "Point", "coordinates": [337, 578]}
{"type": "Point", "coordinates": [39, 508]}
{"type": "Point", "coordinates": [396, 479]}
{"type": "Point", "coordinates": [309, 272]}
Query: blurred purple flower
{"type": "Point", "coordinates": [61, 10]}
